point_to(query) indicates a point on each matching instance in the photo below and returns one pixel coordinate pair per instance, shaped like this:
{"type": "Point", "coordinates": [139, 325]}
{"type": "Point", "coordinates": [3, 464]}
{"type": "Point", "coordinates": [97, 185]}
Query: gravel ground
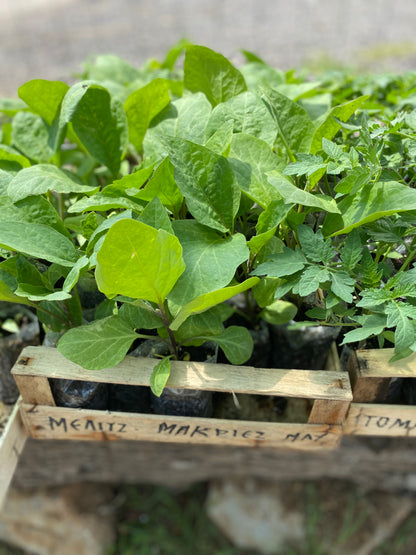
{"type": "Point", "coordinates": [51, 38]}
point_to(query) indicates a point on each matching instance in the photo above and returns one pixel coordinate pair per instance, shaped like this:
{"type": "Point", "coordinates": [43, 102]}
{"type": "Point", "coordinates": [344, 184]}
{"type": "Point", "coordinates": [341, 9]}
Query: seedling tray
{"type": "Point", "coordinates": [371, 373]}
{"type": "Point", "coordinates": [329, 390]}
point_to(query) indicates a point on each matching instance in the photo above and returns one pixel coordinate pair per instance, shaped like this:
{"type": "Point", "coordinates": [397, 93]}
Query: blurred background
{"type": "Point", "coordinates": [50, 39]}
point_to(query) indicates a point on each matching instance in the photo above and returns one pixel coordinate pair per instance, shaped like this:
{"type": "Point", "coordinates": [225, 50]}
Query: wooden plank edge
{"type": "Point", "coordinates": [312, 384]}
{"type": "Point", "coordinates": [45, 422]}
{"type": "Point", "coordinates": [375, 363]}
{"type": "Point", "coordinates": [12, 443]}
{"type": "Point", "coordinates": [366, 419]}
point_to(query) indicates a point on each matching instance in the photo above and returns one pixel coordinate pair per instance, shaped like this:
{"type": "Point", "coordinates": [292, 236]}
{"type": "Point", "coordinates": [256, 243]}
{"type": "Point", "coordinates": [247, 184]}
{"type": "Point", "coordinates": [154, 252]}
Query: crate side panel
{"type": "Point", "coordinates": [381, 420]}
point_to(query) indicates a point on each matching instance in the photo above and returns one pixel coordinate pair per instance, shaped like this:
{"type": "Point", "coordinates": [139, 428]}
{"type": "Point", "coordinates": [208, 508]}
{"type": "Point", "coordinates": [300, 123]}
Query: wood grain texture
{"type": "Point", "coordinates": [48, 362]}
{"type": "Point", "coordinates": [12, 443]}
{"type": "Point", "coordinates": [375, 363]}
{"type": "Point", "coordinates": [82, 424]}
{"type": "Point", "coordinates": [381, 420]}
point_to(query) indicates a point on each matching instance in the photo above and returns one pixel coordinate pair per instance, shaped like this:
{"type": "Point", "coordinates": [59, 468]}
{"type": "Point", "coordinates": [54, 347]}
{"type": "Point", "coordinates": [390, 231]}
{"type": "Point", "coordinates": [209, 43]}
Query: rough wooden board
{"type": "Point", "coordinates": [63, 423]}
{"type": "Point", "coordinates": [375, 363]}
{"type": "Point", "coordinates": [48, 362]}
{"type": "Point", "coordinates": [366, 386]}
{"type": "Point", "coordinates": [12, 442]}
{"type": "Point", "coordinates": [387, 463]}
{"type": "Point", "coordinates": [328, 412]}
{"type": "Point", "coordinates": [35, 389]}
{"type": "Point", "coordinates": [381, 420]}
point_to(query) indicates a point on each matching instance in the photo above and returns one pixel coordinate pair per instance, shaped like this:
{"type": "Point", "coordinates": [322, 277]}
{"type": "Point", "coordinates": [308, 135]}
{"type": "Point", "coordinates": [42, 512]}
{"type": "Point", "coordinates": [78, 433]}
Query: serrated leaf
{"type": "Point", "coordinates": [211, 73]}
{"type": "Point", "coordinates": [138, 261]}
{"type": "Point", "coordinates": [314, 246]}
{"type": "Point", "coordinates": [373, 324]}
{"type": "Point", "coordinates": [306, 164]}
{"type": "Point", "coordinates": [352, 251]}
{"type": "Point", "coordinates": [342, 285]}
{"type": "Point", "coordinates": [160, 376]}
{"type": "Point", "coordinates": [142, 106]}
{"type": "Point", "coordinates": [282, 264]}
{"type": "Point", "coordinates": [333, 150]}
{"type": "Point", "coordinates": [400, 316]}
{"type": "Point", "coordinates": [102, 344]}
{"type": "Point", "coordinates": [374, 297]}
{"type": "Point", "coordinates": [311, 278]}
{"type": "Point", "coordinates": [208, 300]}
{"type": "Point", "coordinates": [210, 260]}
{"type": "Point", "coordinates": [39, 179]}
{"type": "Point", "coordinates": [199, 173]}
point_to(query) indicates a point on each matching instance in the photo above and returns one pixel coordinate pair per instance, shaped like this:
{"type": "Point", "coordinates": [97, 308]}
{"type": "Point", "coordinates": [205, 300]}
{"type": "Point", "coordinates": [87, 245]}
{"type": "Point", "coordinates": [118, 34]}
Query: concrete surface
{"type": "Point", "coordinates": [51, 38]}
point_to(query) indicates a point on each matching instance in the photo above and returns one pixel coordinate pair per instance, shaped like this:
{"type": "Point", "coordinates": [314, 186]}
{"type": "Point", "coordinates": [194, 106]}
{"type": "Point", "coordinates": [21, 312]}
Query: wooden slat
{"type": "Point", "coordinates": [328, 412]}
{"type": "Point", "coordinates": [81, 424]}
{"type": "Point", "coordinates": [12, 443]}
{"type": "Point", "coordinates": [35, 389]}
{"type": "Point", "coordinates": [381, 420]}
{"type": "Point", "coordinates": [374, 363]}
{"type": "Point", "coordinates": [367, 383]}
{"type": "Point", "coordinates": [48, 362]}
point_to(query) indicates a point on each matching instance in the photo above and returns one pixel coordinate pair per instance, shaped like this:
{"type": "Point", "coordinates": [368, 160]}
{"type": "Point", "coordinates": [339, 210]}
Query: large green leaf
{"type": "Point", "coordinates": [236, 342]}
{"type": "Point", "coordinates": [141, 315]}
{"type": "Point", "coordinates": [208, 300]}
{"type": "Point", "coordinates": [292, 194]}
{"type": "Point", "coordinates": [44, 97]}
{"type": "Point", "coordinates": [247, 114]}
{"type": "Point", "coordinates": [211, 73]}
{"type": "Point", "coordinates": [186, 117]}
{"type": "Point", "coordinates": [329, 126]}
{"type": "Point", "coordinates": [8, 285]}
{"type": "Point", "coordinates": [9, 154]}
{"type": "Point", "coordinates": [101, 125]}
{"type": "Point", "coordinates": [211, 261]}
{"type": "Point", "coordinates": [207, 182]}
{"type": "Point", "coordinates": [102, 344]}
{"type": "Point", "coordinates": [30, 134]}
{"type": "Point", "coordinates": [39, 179]}
{"type": "Point", "coordinates": [281, 264]}
{"type": "Point", "coordinates": [295, 128]}
{"type": "Point", "coordinates": [39, 241]}
{"type": "Point", "coordinates": [373, 201]}
{"type": "Point", "coordinates": [142, 106]}
{"type": "Point", "coordinates": [138, 261]}
{"type": "Point", "coordinates": [251, 159]}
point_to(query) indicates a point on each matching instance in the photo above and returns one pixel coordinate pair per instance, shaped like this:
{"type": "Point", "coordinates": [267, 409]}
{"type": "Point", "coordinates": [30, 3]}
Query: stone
{"type": "Point", "coordinates": [66, 520]}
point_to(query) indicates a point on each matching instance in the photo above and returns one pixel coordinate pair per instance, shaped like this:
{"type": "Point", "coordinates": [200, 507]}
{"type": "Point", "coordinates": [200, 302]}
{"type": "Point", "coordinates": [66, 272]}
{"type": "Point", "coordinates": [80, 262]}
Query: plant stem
{"type": "Point", "coordinates": [173, 344]}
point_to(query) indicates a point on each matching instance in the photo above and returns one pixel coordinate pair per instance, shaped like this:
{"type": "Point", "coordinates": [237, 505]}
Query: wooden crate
{"type": "Point", "coordinates": [12, 440]}
{"type": "Point", "coordinates": [329, 390]}
{"type": "Point", "coordinates": [371, 373]}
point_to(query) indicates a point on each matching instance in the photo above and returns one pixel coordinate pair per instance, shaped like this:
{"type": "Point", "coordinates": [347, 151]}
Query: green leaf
{"type": "Point", "coordinates": [160, 376]}
{"type": "Point", "coordinates": [248, 115]}
{"type": "Point", "coordinates": [8, 285]}
{"type": "Point", "coordinates": [292, 194]}
{"type": "Point", "coordinates": [207, 182]}
{"type": "Point", "coordinates": [279, 312]}
{"type": "Point", "coordinates": [311, 279]}
{"type": "Point", "coordinates": [210, 260]}
{"type": "Point", "coordinates": [352, 251]}
{"type": "Point", "coordinates": [374, 297]}
{"type": "Point", "coordinates": [267, 224]}
{"type": "Point", "coordinates": [30, 134]}
{"type": "Point", "coordinates": [333, 150]}
{"type": "Point", "coordinates": [330, 126]}
{"type": "Point", "coordinates": [185, 117]}
{"type": "Point", "coordinates": [211, 73]}
{"type": "Point", "coordinates": [342, 285]}
{"type": "Point", "coordinates": [314, 246]}
{"type": "Point", "coordinates": [138, 261]}
{"type": "Point", "coordinates": [197, 328]}
{"type": "Point", "coordinates": [208, 300]}
{"type": "Point", "coordinates": [71, 279]}
{"type": "Point", "coordinates": [306, 164]}
{"type": "Point", "coordinates": [156, 216]}
{"type": "Point", "coordinates": [44, 97]}
{"type": "Point", "coordinates": [39, 241]}
{"type": "Point", "coordinates": [236, 342]}
{"type": "Point", "coordinates": [102, 344]}
{"type": "Point", "coordinates": [295, 128]}
{"type": "Point", "coordinates": [282, 264]}
{"type": "Point", "coordinates": [251, 159]}
{"type": "Point", "coordinates": [373, 201]}
{"type": "Point", "coordinates": [370, 271]}
{"type": "Point", "coordinates": [140, 315]}
{"type": "Point", "coordinates": [142, 106]}
{"type": "Point", "coordinates": [39, 179]}
{"type": "Point", "coordinates": [101, 125]}
{"type": "Point", "coordinates": [10, 154]}
{"type": "Point", "coordinates": [400, 316]}
{"type": "Point", "coordinates": [220, 141]}
{"type": "Point", "coordinates": [372, 324]}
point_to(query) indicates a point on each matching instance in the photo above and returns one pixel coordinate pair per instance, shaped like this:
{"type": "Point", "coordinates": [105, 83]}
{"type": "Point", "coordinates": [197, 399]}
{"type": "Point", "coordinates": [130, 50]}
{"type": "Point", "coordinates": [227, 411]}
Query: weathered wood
{"type": "Point", "coordinates": [367, 385]}
{"type": "Point", "coordinates": [329, 412]}
{"type": "Point", "coordinates": [12, 442]}
{"type": "Point", "coordinates": [48, 362]}
{"type": "Point", "coordinates": [35, 389]}
{"type": "Point", "coordinates": [381, 420]}
{"type": "Point", "coordinates": [64, 423]}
